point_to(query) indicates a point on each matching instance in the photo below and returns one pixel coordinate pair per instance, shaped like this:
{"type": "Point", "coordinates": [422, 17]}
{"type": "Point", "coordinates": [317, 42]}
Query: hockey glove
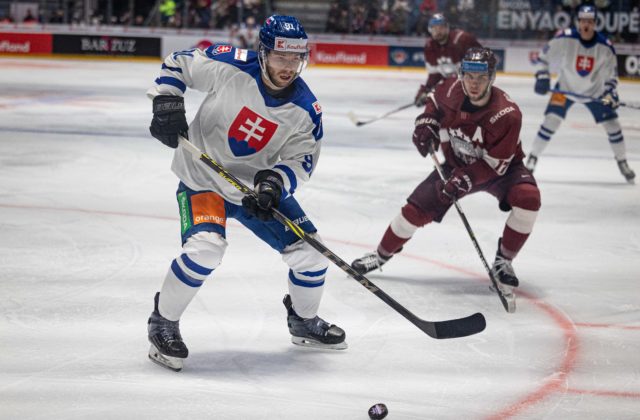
{"type": "Point", "coordinates": [610, 98]}
{"type": "Point", "coordinates": [457, 186]}
{"type": "Point", "coordinates": [426, 134]}
{"type": "Point", "coordinates": [543, 82]}
{"type": "Point", "coordinates": [268, 188]}
{"type": "Point", "coordinates": [421, 97]}
{"type": "Point", "coordinates": [168, 119]}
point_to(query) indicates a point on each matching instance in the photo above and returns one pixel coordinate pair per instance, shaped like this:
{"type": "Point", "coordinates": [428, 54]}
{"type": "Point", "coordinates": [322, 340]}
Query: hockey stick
{"type": "Point", "coordinates": [358, 123]}
{"type": "Point", "coordinates": [592, 99]}
{"type": "Point", "coordinates": [509, 304]}
{"type": "Point", "coordinates": [453, 328]}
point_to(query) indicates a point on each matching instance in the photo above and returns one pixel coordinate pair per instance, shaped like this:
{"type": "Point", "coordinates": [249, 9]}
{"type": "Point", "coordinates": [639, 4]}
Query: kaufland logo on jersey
{"type": "Point", "coordinates": [249, 133]}
{"type": "Point", "coordinates": [584, 65]}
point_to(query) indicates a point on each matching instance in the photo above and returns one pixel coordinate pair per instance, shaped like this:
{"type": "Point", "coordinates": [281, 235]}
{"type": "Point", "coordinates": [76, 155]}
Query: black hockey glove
{"type": "Point", "coordinates": [610, 98]}
{"type": "Point", "coordinates": [268, 188]}
{"type": "Point", "coordinates": [543, 82]}
{"type": "Point", "coordinates": [168, 119]}
{"type": "Point", "coordinates": [426, 134]}
{"type": "Point", "coordinates": [421, 97]}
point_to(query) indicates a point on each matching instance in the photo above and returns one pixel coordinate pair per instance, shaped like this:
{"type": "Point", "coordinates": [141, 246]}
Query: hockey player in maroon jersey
{"type": "Point", "coordinates": [478, 127]}
{"type": "Point", "coordinates": [442, 54]}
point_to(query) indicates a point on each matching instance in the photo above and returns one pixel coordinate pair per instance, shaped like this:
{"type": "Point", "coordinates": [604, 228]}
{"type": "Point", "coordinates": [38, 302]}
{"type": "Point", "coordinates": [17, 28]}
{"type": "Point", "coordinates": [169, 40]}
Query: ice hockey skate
{"type": "Point", "coordinates": [531, 162]}
{"type": "Point", "coordinates": [369, 262]}
{"type": "Point", "coordinates": [313, 332]}
{"type": "Point", "coordinates": [626, 171]}
{"type": "Point", "coordinates": [506, 279]}
{"type": "Point", "coordinates": [167, 348]}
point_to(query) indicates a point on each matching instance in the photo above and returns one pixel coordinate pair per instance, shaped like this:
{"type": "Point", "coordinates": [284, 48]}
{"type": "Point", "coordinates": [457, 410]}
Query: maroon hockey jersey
{"type": "Point", "coordinates": [442, 60]}
{"type": "Point", "coordinates": [484, 140]}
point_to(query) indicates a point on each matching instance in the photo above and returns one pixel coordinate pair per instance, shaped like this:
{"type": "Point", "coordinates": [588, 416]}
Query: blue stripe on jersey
{"type": "Point", "coordinates": [195, 267]}
{"type": "Point", "coordinates": [314, 273]}
{"type": "Point", "coordinates": [166, 80]}
{"type": "Point", "coordinates": [303, 283]}
{"type": "Point", "coordinates": [176, 69]}
{"type": "Point", "coordinates": [290, 175]}
{"type": "Point", "coordinates": [183, 277]}
{"type": "Point", "coordinates": [618, 140]}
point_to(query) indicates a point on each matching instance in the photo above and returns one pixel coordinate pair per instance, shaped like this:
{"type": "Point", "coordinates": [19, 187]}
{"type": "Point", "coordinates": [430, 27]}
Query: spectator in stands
{"type": "Point", "coordinates": [247, 35]}
{"type": "Point", "coordinates": [5, 19]}
{"type": "Point", "coordinates": [203, 13]}
{"type": "Point", "coordinates": [29, 18]}
{"type": "Point", "coordinates": [167, 12]}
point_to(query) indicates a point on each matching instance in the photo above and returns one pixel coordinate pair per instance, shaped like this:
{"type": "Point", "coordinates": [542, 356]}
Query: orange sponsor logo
{"type": "Point", "coordinates": [208, 208]}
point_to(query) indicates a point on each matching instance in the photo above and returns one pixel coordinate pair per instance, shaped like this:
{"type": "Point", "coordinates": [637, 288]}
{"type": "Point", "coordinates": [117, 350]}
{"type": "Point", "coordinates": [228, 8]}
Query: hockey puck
{"type": "Point", "coordinates": [378, 411]}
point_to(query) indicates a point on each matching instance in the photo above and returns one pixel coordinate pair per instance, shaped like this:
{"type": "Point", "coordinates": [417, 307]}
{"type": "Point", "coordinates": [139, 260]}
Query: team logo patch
{"type": "Point", "coordinates": [221, 49]}
{"type": "Point", "coordinates": [584, 65]}
{"type": "Point", "coordinates": [317, 107]}
{"type": "Point", "coordinates": [249, 133]}
{"type": "Point", "coordinates": [240, 55]}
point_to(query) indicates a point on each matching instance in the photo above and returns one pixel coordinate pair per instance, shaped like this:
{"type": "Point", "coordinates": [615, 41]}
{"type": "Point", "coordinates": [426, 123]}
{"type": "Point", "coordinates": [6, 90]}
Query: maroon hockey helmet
{"type": "Point", "coordinates": [479, 60]}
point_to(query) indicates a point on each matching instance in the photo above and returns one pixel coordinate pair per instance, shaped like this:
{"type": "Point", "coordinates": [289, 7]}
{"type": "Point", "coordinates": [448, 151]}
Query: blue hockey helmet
{"type": "Point", "coordinates": [283, 34]}
{"type": "Point", "coordinates": [438, 19]}
{"type": "Point", "coordinates": [587, 11]}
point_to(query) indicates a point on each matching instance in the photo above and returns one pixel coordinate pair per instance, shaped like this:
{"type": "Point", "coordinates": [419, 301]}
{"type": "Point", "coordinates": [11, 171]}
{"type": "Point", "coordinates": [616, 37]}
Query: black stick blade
{"type": "Point", "coordinates": [456, 328]}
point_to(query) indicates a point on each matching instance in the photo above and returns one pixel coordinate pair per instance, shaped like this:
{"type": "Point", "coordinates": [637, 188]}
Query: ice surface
{"type": "Point", "coordinates": [89, 225]}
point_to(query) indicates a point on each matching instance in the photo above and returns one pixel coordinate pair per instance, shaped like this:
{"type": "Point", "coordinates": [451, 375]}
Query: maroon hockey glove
{"type": "Point", "coordinates": [458, 185]}
{"type": "Point", "coordinates": [426, 134]}
{"type": "Point", "coordinates": [421, 97]}
{"type": "Point", "coordinates": [268, 188]}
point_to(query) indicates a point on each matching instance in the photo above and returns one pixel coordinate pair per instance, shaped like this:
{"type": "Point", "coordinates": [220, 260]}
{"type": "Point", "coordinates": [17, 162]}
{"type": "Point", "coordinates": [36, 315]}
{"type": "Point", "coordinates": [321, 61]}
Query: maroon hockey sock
{"type": "Point", "coordinates": [512, 242]}
{"type": "Point", "coordinates": [390, 243]}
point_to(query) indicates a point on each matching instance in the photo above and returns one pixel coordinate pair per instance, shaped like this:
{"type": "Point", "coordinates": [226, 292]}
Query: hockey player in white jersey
{"type": "Point", "coordinates": [586, 63]}
{"type": "Point", "coordinates": [262, 123]}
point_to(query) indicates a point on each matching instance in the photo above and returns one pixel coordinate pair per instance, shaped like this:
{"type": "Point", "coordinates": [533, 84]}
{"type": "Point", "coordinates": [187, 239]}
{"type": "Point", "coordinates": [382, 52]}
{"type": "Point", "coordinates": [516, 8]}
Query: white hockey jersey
{"type": "Point", "coordinates": [584, 68]}
{"type": "Point", "coordinates": [239, 124]}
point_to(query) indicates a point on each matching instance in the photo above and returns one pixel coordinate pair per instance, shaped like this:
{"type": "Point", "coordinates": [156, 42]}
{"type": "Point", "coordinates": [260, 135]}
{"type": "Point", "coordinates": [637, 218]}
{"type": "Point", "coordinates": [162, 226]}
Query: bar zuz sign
{"type": "Point", "coordinates": [106, 45]}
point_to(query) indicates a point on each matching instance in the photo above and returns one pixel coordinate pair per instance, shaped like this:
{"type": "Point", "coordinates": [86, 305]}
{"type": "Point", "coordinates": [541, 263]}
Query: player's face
{"type": "Point", "coordinates": [475, 84]}
{"type": "Point", "coordinates": [586, 28]}
{"type": "Point", "coordinates": [439, 33]}
{"type": "Point", "coordinates": [283, 67]}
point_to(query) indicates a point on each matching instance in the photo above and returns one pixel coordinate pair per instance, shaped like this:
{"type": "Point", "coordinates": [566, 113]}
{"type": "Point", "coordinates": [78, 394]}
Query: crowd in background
{"type": "Point", "coordinates": [382, 17]}
{"type": "Point", "coordinates": [205, 14]}
{"type": "Point", "coordinates": [409, 17]}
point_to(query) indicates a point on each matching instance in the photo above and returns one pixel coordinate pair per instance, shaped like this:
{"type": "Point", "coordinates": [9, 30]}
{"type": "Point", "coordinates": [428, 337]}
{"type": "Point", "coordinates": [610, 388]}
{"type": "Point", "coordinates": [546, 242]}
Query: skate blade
{"type": "Point", "coordinates": [169, 362]}
{"type": "Point", "coordinates": [310, 342]}
{"type": "Point", "coordinates": [509, 297]}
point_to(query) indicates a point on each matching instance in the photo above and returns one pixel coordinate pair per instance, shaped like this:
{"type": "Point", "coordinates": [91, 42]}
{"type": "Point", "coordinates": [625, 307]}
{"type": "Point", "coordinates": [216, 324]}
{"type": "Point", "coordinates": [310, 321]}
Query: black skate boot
{"type": "Point", "coordinates": [531, 162]}
{"type": "Point", "coordinates": [313, 332]}
{"type": "Point", "coordinates": [505, 276]}
{"type": "Point", "coordinates": [167, 348]}
{"type": "Point", "coordinates": [369, 262]}
{"type": "Point", "coordinates": [626, 171]}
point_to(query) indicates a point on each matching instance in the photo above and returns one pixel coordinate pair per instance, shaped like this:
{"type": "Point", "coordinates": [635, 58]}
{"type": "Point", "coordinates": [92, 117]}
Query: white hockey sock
{"type": "Point", "coordinates": [308, 269]}
{"type": "Point", "coordinates": [548, 128]}
{"type": "Point", "coordinates": [202, 253]}
{"type": "Point", "coordinates": [616, 139]}
{"type": "Point", "coordinates": [306, 299]}
{"type": "Point", "coordinates": [175, 296]}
